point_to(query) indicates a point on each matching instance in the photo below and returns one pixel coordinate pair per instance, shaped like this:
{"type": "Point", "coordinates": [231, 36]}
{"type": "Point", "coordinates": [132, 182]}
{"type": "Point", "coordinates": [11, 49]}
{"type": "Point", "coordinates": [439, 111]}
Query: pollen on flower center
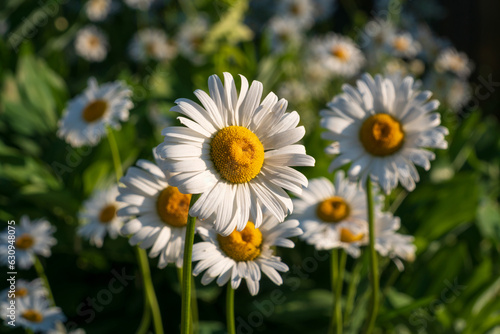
{"type": "Point", "coordinates": [244, 245]}
{"type": "Point", "coordinates": [94, 111]}
{"type": "Point", "coordinates": [32, 315]}
{"type": "Point", "coordinates": [341, 53]}
{"type": "Point", "coordinates": [21, 292]}
{"type": "Point", "coordinates": [347, 236]}
{"type": "Point", "coordinates": [401, 43]}
{"type": "Point", "coordinates": [24, 241]}
{"type": "Point", "coordinates": [381, 135]}
{"type": "Point", "coordinates": [333, 210]}
{"type": "Point", "coordinates": [237, 154]}
{"type": "Point", "coordinates": [107, 213]}
{"type": "Point", "coordinates": [173, 206]}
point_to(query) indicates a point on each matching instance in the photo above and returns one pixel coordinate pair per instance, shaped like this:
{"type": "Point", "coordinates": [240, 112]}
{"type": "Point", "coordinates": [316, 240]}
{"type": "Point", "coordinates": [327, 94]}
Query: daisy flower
{"type": "Point", "coordinates": [300, 11]}
{"type": "Point", "coordinates": [191, 37]}
{"type": "Point", "coordinates": [244, 254]}
{"type": "Point", "coordinates": [143, 5]}
{"type": "Point", "coordinates": [98, 217]}
{"type": "Point", "coordinates": [382, 128]}
{"type": "Point", "coordinates": [236, 152]}
{"type": "Point", "coordinates": [283, 33]}
{"type": "Point", "coordinates": [36, 314]}
{"type": "Point", "coordinates": [375, 35]}
{"type": "Point", "coordinates": [85, 119]}
{"type": "Point", "coordinates": [403, 45]}
{"type": "Point", "coordinates": [450, 60]}
{"type": "Point", "coordinates": [32, 238]}
{"type": "Point", "coordinates": [453, 91]}
{"type": "Point", "coordinates": [339, 55]}
{"type": "Point", "coordinates": [332, 215]}
{"type": "Point", "coordinates": [160, 212]}
{"type": "Point", "coordinates": [323, 9]}
{"type": "Point", "coordinates": [24, 289]}
{"type": "Point", "coordinates": [91, 44]}
{"type": "Point", "coordinates": [97, 10]}
{"type": "Point", "coordinates": [151, 44]}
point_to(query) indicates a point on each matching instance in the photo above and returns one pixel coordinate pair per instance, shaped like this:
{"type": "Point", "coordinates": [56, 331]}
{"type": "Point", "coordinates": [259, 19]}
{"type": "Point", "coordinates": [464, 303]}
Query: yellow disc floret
{"type": "Point", "coordinates": [107, 213]}
{"type": "Point", "coordinates": [244, 245]}
{"type": "Point", "coordinates": [333, 210]}
{"type": "Point", "coordinates": [21, 292]}
{"type": "Point", "coordinates": [173, 206]}
{"type": "Point", "coordinates": [32, 315]}
{"type": "Point", "coordinates": [237, 154]}
{"type": "Point", "coordinates": [341, 53]}
{"type": "Point", "coordinates": [381, 135]}
{"type": "Point", "coordinates": [347, 236]}
{"type": "Point", "coordinates": [94, 111]}
{"type": "Point", "coordinates": [24, 241]}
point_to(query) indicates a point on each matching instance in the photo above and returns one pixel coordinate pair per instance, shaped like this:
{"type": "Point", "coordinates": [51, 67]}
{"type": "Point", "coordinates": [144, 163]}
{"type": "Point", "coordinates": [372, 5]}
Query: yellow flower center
{"type": "Point", "coordinates": [237, 153]}
{"type": "Point", "coordinates": [32, 315]}
{"type": "Point", "coordinates": [94, 41]}
{"type": "Point", "coordinates": [24, 241]}
{"type": "Point", "coordinates": [401, 43]}
{"type": "Point", "coordinates": [333, 210]}
{"type": "Point", "coordinates": [94, 110]}
{"type": "Point", "coordinates": [341, 53]}
{"type": "Point", "coordinates": [107, 213]}
{"type": "Point", "coordinates": [347, 236]}
{"type": "Point", "coordinates": [173, 206]}
{"type": "Point", "coordinates": [21, 292]}
{"type": "Point", "coordinates": [150, 48]}
{"type": "Point", "coordinates": [244, 245]}
{"type": "Point", "coordinates": [381, 135]}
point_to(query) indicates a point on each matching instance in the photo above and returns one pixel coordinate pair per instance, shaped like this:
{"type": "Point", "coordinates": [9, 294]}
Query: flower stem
{"type": "Point", "coordinates": [146, 318]}
{"type": "Point", "coordinates": [115, 154]}
{"type": "Point", "coordinates": [351, 290]}
{"type": "Point", "coordinates": [187, 271]}
{"type": "Point", "coordinates": [41, 273]}
{"type": "Point", "coordinates": [231, 328]}
{"type": "Point", "coordinates": [373, 260]}
{"type": "Point", "coordinates": [149, 291]}
{"type": "Point", "coordinates": [194, 301]}
{"type": "Point", "coordinates": [337, 271]}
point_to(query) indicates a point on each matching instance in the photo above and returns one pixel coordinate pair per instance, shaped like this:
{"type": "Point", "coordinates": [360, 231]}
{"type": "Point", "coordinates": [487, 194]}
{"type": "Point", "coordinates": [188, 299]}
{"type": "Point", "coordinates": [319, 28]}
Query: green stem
{"type": "Point", "coordinates": [351, 290]}
{"type": "Point", "coordinates": [231, 328]}
{"type": "Point", "coordinates": [338, 292]}
{"type": "Point", "coordinates": [373, 260]}
{"type": "Point", "coordinates": [149, 290]}
{"type": "Point", "coordinates": [187, 271]}
{"type": "Point", "coordinates": [115, 154]}
{"type": "Point", "coordinates": [334, 267]}
{"type": "Point", "coordinates": [194, 301]}
{"type": "Point", "coordinates": [146, 318]}
{"type": "Point", "coordinates": [41, 273]}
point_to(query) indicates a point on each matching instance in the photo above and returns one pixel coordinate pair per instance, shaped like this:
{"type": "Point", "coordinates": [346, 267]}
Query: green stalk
{"type": "Point", "coordinates": [146, 318]}
{"type": "Point", "coordinates": [194, 301]}
{"type": "Point", "coordinates": [334, 267]}
{"type": "Point", "coordinates": [231, 328]}
{"type": "Point", "coordinates": [373, 260]}
{"type": "Point", "coordinates": [187, 271]}
{"type": "Point", "coordinates": [338, 292]}
{"type": "Point", "coordinates": [351, 290]}
{"type": "Point", "coordinates": [41, 273]}
{"type": "Point", "coordinates": [115, 154]}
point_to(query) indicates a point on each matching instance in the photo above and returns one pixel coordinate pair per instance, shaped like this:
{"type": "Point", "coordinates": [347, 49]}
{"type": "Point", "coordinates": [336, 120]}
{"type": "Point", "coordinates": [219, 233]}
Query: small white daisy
{"type": "Point", "coordinates": [294, 91]}
{"type": "Point", "coordinates": [97, 10]}
{"type": "Point", "coordinates": [381, 127]}
{"type": "Point", "coordinates": [85, 119]}
{"type": "Point", "coordinates": [332, 215]}
{"type": "Point", "coordinates": [160, 211]}
{"type": "Point", "coordinates": [453, 91]}
{"type": "Point", "coordinates": [300, 11]}
{"type": "Point", "coordinates": [98, 217]}
{"type": "Point", "coordinates": [36, 314]}
{"type": "Point", "coordinates": [323, 9]}
{"type": "Point", "coordinates": [143, 5]}
{"type": "Point", "coordinates": [24, 289]}
{"type": "Point", "coordinates": [339, 54]}
{"type": "Point", "coordinates": [236, 151]}
{"type": "Point", "coordinates": [450, 60]}
{"type": "Point", "coordinates": [283, 33]}
{"type": "Point", "coordinates": [244, 254]}
{"type": "Point", "coordinates": [375, 35]}
{"type": "Point", "coordinates": [403, 45]}
{"type": "Point", "coordinates": [151, 44]}
{"type": "Point", "coordinates": [191, 37]}
{"type": "Point", "coordinates": [32, 238]}
{"type": "Point", "coordinates": [91, 44]}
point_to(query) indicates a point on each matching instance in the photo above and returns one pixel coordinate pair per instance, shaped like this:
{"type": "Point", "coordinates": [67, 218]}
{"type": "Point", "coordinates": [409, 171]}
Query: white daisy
{"type": "Point", "coordinates": [283, 33]}
{"type": "Point", "coordinates": [332, 216]}
{"type": "Point", "coordinates": [143, 5]}
{"type": "Point", "coordinates": [85, 119]}
{"type": "Point", "coordinates": [453, 91]}
{"type": "Point", "coordinates": [160, 211]}
{"type": "Point", "coordinates": [375, 35]}
{"type": "Point", "coordinates": [97, 10]}
{"type": "Point", "coordinates": [300, 11]}
{"type": "Point", "coordinates": [36, 314]}
{"type": "Point", "coordinates": [323, 9]}
{"type": "Point", "coordinates": [381, 127]}
{"type": "Point", "coordinates": [151, 44]}
{"type": "Point", "coordinates": [403, 45]}
{"type": "Point", "coordinates": [450, 60]}
{"type": "Point", "coordinates": [24, 289]}
{"type": "Point", "coordinates": [91, 44]}
{"type": "Point", "coordinates": [236, 152]}
{"type": "Point", "coordinates": [244, 254]}
{"type": "Point", "coordinates": [191, 37]}
{"type": "Point", "coordinates": [294, 91]}
{"type": "Point", "coordinates": [339, 54]}
{"type": "Point", "coordinates": [98, 217]}
{"type": "Point", "coordinates": [32, 238]}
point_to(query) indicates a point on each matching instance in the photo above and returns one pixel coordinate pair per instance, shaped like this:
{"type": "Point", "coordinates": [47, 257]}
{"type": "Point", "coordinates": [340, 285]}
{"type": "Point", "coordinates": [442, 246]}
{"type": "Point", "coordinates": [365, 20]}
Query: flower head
{"type": "Point", "coordinates": [151, 44]}
{"type": "Point", "coordinates": [91, 44]}
{"type": "Point", "coordinates": [452, 61]}
{"type": "Point", "coordinates": [36, 314]}
{"type": "Point", "coordinates": [97, 10]}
